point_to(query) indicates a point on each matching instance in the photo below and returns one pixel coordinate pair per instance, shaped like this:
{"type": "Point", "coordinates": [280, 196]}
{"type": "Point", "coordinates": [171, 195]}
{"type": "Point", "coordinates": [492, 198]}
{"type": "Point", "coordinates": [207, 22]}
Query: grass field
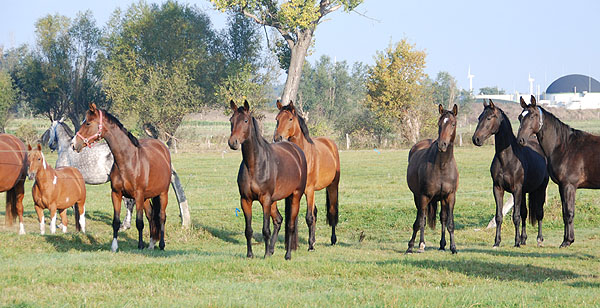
{"type": "Point", "coordinates": [205, 265]}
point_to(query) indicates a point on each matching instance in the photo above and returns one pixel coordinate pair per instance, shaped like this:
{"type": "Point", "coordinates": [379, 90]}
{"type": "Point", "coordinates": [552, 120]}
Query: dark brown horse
{"type": "Point", "coordinates": [323, 162]}
{"type": "Point", "coordinates": [268, 172]}
{"type": "Point", "coordinates": [432, 176]}
{"type": "Point", "coordinates": [515, 169]}
{"type": "Point", "coordinates": [572, 157]}
{"type": "Point", "coordinates": [142, 171]}
{"type": "Point", "coordinates": [13, 170]}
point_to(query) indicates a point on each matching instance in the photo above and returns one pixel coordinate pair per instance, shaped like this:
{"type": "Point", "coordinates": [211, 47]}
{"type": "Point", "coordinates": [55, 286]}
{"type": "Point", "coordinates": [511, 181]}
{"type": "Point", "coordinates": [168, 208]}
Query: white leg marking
{"type": "Point", "coordinates": [21, 228]}
{"type": "Point", "coordinates": [64, 228]}
{"type": "Point", "coordinates": [42, 227]}
{"type": "Point", "coordinates": [82, 221]}
{"type": "Point", "coordinates": [151, 245]}
{"type": "Point", "coordinates": [422, 246]}
{"type": "Point", "coordinates": [128, 217]}
{"type": "Point", "coordinates": [53, 224]}
{"type": "Point", "coordinates": [114, 245]}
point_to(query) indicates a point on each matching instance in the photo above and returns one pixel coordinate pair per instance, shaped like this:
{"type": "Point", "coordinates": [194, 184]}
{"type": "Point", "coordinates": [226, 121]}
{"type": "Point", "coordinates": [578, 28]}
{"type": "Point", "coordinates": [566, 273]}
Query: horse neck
{"type": "Point", "coordinates": [44, 174]}
{"type": "Point", "coordinates": [301, 141]}
{"type": "Point", "coordinates": [552, 134]}
{"type": "Point", "coordinates": [118, 142]}
{"type": "Point", "coordinates": [505, 138]}
{"type": "Point", "coordinates": [255, 150]}
{"type": "Point", "coordinates": [64, 141]}
{"type": "Point", "coordinates": [444, 157]}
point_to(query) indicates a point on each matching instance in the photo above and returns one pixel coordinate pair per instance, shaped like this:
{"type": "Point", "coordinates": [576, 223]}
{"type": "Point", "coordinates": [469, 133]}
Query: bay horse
{"type": "Point", "coordinates": [13, 171]}
{"type": "Point", "coordinates": [56, 190]}
{"type": "Point", "coordinates": [268, 172]}
{"type": "Point", "coordinates": [323, 166]}
{"type": "Point", "coordinates": [572, 157]}
{"type": "Point", "coordinates": [142, 171]}
{"type": "Point", "coordinates": [515, 169]}
{"type": "Point", "coordinates": [95, 164]}
{"type": "Point", "coordinates": [432, 177]}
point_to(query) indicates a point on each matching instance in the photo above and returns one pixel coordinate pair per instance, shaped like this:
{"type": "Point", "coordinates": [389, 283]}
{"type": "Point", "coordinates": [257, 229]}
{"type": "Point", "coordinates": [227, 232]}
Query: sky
{"type": "Point", "coordinates": [502, 41]}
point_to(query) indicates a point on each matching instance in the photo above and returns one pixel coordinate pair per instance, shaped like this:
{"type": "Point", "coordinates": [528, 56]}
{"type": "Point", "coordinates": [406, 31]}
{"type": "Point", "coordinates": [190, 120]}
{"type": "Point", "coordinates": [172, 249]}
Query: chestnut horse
{"type": "Point", "coordinates": [13, 170]}
{"type": "Point", "coordinates": [56, 190]}
{"type": "Point", "coordinates": [572, 157]}
{"type": "Point", "coordinates": [515, 169]}
{"type": "Point", "coordinates": [432, 176]}
{"type": "Point", "coordinates": [268, 172]}
{"type": "Point", "coordinates": [323, 166]}
{"type": "Point", "coordinates": [142, 171]}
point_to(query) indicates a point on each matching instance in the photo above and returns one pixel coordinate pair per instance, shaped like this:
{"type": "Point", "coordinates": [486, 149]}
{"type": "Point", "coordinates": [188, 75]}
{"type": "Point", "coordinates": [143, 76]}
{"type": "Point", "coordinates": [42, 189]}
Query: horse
{"type": "Point", "coordinates": [95, 164]}
{"type": "Point", "coordinates": [571, 154]}
{"type": "Point", "coordinates": [323, 163]}
{"type": "Point", "coordinates": [515, 169]}
{"type": "Point", "coordinates": [13, 171]}
{"type": "Point", "coordinates": [56, 190]}
{"type": "Point", "coordinates": [141, 170]}
{"type": "Point", "coordinates": [268, 172]}
{"type": "Point", "coordinates": [432, 177]}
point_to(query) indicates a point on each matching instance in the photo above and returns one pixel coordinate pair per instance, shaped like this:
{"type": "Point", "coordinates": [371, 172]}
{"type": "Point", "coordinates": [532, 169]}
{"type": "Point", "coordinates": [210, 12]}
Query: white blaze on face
{"type": "Point", "coordinates": [43, 160]}
{"type": "Point", "coordinates": [524, 113]}
{"type": "Point", "coordinates": [54, 182]}
{"type": "Point", "coordinates": [446, 120]}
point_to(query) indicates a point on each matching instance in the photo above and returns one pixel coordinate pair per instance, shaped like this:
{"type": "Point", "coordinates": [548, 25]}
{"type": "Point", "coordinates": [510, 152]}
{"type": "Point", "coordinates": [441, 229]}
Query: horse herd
{"type": "Point", "coordinates": [296, 164]}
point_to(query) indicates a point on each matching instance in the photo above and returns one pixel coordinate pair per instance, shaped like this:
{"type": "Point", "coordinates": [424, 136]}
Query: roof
{"type": "Point", "coordinates": [574, 83]}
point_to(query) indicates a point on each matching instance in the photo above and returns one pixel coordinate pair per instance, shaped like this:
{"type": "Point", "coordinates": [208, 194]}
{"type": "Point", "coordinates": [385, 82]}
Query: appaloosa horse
{"type": "Point", "coordinates": [572, 157]}
{"type": "Point", "coordinates": [268, 172]}
{"type": "Point", "coordinates": [515, 169]}
{"type": "Point", "coordinates": [323, 166]}
{"type": "Point", "coordinates": [432, 176]}
{"type": "Point", "coordinates": [56, 190]}
{"type": "Point", "coordinates": [13, 171]}
{"type": "Point", "coordinates": [142, 171]}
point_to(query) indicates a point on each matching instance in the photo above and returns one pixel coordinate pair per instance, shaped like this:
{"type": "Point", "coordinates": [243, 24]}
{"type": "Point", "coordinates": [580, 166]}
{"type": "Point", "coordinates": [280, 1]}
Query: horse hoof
{"type": "Point", "coordinates": [565, 244]}
{"type": "Point", "coordinates": [442, 248]}
{"type": "Point", "coordinates": [496, 246]}
{"type": "Point", "coordinates": [333, 240]}
{"type": "Point", "coordinates": [453, 251]}
{"type": "Point", "coordinates": [288, 256]}
{"type": "Point", "coordinates": [421, 250]}
{"type": "Point", "coordinates": [114, 245]}
{"type": "Point", "coordinates": [249, 255]}
{"type": "Point", "coordinates": [311, 248]}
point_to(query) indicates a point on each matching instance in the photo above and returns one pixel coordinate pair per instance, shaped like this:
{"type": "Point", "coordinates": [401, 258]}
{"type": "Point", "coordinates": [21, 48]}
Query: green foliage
{"type": "Point", "coordinates": [491, 91]}
{"type": "Point", "coordinates": [445, 91]}
{"type": "Point", "coordinates": [27, 133]}
{"type": "Point", "coordinates": [8, 95]}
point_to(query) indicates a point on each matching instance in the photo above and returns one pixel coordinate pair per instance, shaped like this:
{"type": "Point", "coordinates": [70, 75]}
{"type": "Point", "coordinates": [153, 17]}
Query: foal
{"type": "Point", "coordinates": [57, 190]}
{"type": "Point", "coordinates": [432, 176]}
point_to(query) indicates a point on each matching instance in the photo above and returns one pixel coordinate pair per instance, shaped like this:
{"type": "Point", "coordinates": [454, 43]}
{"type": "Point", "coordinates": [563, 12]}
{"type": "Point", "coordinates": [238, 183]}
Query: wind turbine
{"type": "Point", "coordinates": [470, 80]}
{"type": "Point", "coordinates": [531, 80]}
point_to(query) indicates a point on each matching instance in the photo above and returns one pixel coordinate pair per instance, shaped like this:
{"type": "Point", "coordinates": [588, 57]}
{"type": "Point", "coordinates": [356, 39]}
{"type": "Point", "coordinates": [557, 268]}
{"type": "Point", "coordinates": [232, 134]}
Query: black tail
{"type": "Point", "coordinates": [77, 215]}
{"type": "Point", "coordinates": [332, 197]}
{"type": "Point", "coordinates": [155, 223]}
{"type": "Point", "coordinates": [536, 204]}
{"type": "Point", "coordinates": [11, 206]}
{"type": "Point", "coordinates": [431, 210]}
{"type": "Point", "coordinates": [288, 216]}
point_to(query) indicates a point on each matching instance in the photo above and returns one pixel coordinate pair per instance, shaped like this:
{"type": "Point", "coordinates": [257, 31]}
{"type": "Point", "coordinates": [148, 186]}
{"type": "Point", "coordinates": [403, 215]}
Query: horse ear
{"type": "Point", "coordinates": [455, 109]}
{"type": "Point", "coordinates": [92, 107]}
{"type": "Point", "coordinates": [523, 103]}
{"type": "Point", "coordinates": [441, 108]}
{"type": "Point", "coordinates": [232, 105]}
{"type": "Point", "coordinates": [29, 147]}
{"type": "Point", "coordinates": [485, 103]}
{"type": "Point", "coordinates": [533, 101]}
{"type": "Point", "coordinates": [492, 104]}
{"type": "Point", "coordinates": [39, 147]}
{"type": "Point", "coordinates": [279, 105]}
{"type": "Point", "coordinates": [291, 104]}
{"type": "Point", "coordinates": [246, 105]}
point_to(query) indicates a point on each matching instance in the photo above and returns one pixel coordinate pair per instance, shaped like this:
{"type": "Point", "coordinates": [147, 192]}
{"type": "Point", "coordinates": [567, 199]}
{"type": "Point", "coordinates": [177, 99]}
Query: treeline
{"type": "Point", "coordinates": [154, 64]}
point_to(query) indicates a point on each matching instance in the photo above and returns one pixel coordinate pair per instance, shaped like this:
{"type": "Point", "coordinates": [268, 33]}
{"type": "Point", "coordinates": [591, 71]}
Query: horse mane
{"type": "Point", "coordinates": [112, 119]}
{"type": "Point", "coordinates": [563, 130]}
{"type": "Point", "coordinates": [303, 126]}
{"type": "Point", "coordinates": [258, 135]}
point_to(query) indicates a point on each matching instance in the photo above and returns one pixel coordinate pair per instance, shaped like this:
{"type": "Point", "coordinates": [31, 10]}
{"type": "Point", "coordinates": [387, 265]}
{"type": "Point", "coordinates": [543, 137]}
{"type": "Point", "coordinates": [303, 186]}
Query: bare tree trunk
{"type": "Point", "coordinates": [298, 50]}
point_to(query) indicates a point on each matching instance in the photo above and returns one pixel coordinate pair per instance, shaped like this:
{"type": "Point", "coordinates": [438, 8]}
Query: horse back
{"type": "Point", "coordinates": [13, 161]}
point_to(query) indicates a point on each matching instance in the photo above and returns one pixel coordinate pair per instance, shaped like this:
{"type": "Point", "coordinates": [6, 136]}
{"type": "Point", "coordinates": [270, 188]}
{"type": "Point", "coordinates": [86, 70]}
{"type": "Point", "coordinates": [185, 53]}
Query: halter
{"type": "Point", "coordinates": [95, 137]}
{"type": "Point", "coordinates": [541, 117]}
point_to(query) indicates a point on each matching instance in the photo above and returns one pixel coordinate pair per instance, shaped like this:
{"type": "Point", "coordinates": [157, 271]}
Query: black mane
{"type": "Point", "coordinates": [563, 130]}
{"type": "Point", "coordinates": [112, 119]}
{"type": "Point", "coordinates": [303, 126]}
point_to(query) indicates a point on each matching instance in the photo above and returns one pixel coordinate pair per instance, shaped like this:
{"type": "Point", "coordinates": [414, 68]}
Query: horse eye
{"type": "Point", "coordinates": [87, 124]}
{"type": "Point", "coordinates": [489, 118]}
{"type": "Point", "coordinates": [246, 121]}
{"type": "Point", "coordinates": [290, 119]}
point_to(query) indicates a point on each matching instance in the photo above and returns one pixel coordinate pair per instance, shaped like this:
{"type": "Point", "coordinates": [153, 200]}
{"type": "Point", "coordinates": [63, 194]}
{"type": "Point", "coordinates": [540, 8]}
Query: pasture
{"type": "Point", "coordinates": [205, 265]}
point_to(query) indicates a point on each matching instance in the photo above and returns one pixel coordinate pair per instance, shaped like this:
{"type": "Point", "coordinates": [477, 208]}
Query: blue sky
{"type": "Point", "coordinates": [502, 41]}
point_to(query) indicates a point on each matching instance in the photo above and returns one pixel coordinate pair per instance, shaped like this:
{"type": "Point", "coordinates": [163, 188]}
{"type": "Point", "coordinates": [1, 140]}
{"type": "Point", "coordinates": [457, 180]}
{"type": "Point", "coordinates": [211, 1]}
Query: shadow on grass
{"type": "Point", "coordinates": [101, 216]}
{"type": "Point", "coordinates": [239, 238]}
{"type": "Point", "coordinates": [540, 254]}
{"type": "Point", "coordinates": [585, 284]}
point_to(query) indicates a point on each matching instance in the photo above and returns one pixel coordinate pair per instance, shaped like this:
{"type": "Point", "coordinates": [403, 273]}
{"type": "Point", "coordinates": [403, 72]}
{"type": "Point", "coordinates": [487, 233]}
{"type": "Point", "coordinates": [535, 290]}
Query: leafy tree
{"type": "Point", "coordinates": [491, 91]}
{"type": "Point", "coordinates": [444, 90]}
{"type": "Point", "coordinates": [396, 90]}
{"type": "Point", "coordinates": [8, 96]}
{"type": "Point", "coordinates": [296, 21]}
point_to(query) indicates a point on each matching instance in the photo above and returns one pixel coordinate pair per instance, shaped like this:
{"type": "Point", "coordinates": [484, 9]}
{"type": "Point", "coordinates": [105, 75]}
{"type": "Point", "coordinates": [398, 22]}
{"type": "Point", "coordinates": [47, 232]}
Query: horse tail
{"type": "Point", "coordinates": [331, 201]}
{"type": "Point", "coordinates": [77, 215]}
{"type": "Point", "coordinates": [155, 224]}
{"type": "Point", "coordinates": [431, 210]}
{"type": "Point", "coordinates": [11, 206]}
{"type": "Point", "coordinates": [536, 204]}
{"type": "Point", "coordinates": [288, 216]}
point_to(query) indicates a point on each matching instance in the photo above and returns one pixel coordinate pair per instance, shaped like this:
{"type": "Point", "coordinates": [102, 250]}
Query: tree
{"type": "Point", "coordinates": [396, 90]}
{"type": "Point", "coordinates": [491, 91]}
{"type": "Point", "coordinates": [295, 20]}
{"type": "Point", "coordinates": [444, 90]}
{"type": "Point", "coordinates": [8, 95]}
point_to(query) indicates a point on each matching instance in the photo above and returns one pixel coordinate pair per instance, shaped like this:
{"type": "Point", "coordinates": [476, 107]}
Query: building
{"type": "Point", "coordinates": [573, 92]}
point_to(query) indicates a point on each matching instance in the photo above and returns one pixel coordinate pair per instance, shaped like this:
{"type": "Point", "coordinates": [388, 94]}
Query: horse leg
{"type": "Point", "coordinates": [63, 219]}
{"type": "Point", "coordinates": [331, 199]}
{"type": "Point", "coordinates": [524, 219]}
{"type": "Point", "coordinates": [424, 203]}
{"type": "Point", "coordinates": [498, 197]}
{"type": "Point", "coordinates": [311, 217]}
{"type": "Point", "coordinates": [116, 201]}
{"type": "Point", "coordinates": [451, 200]}
{"type": "Point", "coordinates": [411, 242]}
{"type": "Point", "coordinates": [19, 190]}
{"type": "Point", "coordinates": [292, 207]}
{"type": "Point", "coordinates": [443, 221]}
{"type": "Point", "coordinates": [247, 209]}
{"type": "Point", "coordinates": [81, 220]}
{"type": "Point", "coordinates": [52, 218]}
{"type": "Point", "coordinates": [164, 199]}
{"type": "Point", "coordinates": [152, 216]}
{"type": "Point", "coordinates": [266, 229]}
{"type": "Point", "coordinates": [129, 203]}
{"type": "Point", "coordinates": [277, 219]}
{"type": "Point", "coordinates": [40, 213]}
{"type": "Point", "coordinates": [518, 196]}
{"type": "Point", "coordinates": [539, 200]}
{"type": "Point", "coordinates": [567, 197]}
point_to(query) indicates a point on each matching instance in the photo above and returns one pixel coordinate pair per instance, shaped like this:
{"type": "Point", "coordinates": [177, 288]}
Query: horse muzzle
{"type": "Point", "coordinates": [31, 176]}
{"type": "Point", "coordinates": [477, 141]}
{"type": "Point", "coordinates": [277, 138]}
{"type": "Point", "coordinates": [442, 146]}
{"type": "Point", "coordinates": [522, 141]}
{"type": "Point", "coordinates": [234, 144]}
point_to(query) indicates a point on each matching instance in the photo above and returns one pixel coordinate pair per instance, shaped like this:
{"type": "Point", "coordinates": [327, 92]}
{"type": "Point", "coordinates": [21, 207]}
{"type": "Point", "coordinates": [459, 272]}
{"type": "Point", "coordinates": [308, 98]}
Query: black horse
{"type": "Point", "coordinates": [432, 177]}
{"type": "Point", "coordinates": [515, 169]}
{"type": "Point", "coordinates": [572, 157]}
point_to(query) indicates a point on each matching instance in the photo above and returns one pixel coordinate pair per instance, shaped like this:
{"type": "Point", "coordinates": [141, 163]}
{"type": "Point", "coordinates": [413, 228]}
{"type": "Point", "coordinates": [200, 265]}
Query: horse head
{"type": "Point", "coordinates": [35, 161]}
{"type": "Point", "coordinates": [531, 120]}
{"type": "Point", "coordinates": [287, 122]}
{"type": "Point", "coordinates": [489, 123]}
{"type": "Point", "coordinates": [90, 130]}
{"type": "Point", "coordinates": [446, 127]}
{"type": "Point", "coordinates": [241, 124]}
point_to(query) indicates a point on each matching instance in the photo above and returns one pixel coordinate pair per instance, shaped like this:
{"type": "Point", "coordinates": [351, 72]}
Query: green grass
{"type": "Point", "coordinates": [206, 265]}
